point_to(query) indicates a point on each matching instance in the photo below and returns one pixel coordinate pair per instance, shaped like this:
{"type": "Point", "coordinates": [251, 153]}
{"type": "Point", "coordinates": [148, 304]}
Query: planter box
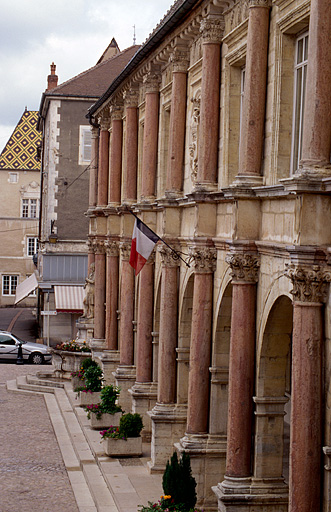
{"type": "Point", "coordinates": [105, 421]}
{"type": "Point", "coordinates": [68, 362]}
{"type": "Point", "coordinates": [77, 382]}
{"type": "Point", "coordinates": [132, 447]}
{"type": "Point", "coordinates": [88, 398]}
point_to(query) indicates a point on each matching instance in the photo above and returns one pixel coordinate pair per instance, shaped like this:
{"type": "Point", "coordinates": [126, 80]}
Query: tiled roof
{"type": "Point", "coordinates": [20, 152]}
{"type": "Point", "coordinates": [94, 81]}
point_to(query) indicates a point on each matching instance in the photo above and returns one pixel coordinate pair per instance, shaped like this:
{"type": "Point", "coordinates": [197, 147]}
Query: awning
{"type": "Point", "coordinates": [24, 289]}
{"type": "Point", "coordinates": [69, 299]}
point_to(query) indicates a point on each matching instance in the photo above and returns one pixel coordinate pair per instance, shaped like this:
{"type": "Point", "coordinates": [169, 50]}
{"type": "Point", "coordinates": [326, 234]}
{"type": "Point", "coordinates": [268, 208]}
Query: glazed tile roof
{"type": "Point", "coordinates": [20, 152]}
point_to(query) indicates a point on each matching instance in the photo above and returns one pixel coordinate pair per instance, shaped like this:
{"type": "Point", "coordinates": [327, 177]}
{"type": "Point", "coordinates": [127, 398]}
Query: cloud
{"type": "Point", "coordinates": [73, 34]}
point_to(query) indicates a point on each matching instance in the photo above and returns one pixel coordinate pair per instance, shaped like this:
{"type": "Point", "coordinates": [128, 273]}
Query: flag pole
{"type": "Point", "coordinates": [178, 256]}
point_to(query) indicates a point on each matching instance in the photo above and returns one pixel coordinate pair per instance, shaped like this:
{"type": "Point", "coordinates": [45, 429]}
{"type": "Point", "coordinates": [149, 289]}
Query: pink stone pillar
{"type": "Point", "coordinates": [253, 115]}
{"type": "Point", "coordinates": [151, 127]}
{"type": "Point", "coordinates": [112, 280]}
{"type": "Point", "coordinates": [127, 308]}
{"type": "Point", "coordinates": [115, 170]}
{"type": "Point", "coordinates": [103, 165]}
{"type": "Point", "coordinates": [131, 148]}
{"type": "Point", "coordinates": [168, 329]}
{"type": "Point", "coordinates": [241, 368]}
{"type": "Point", "coordinates": [93, 190]}
{"type": "Point", "coordinates": [174, 183]}
{"type": "Point", "coordinates": [99, 291]}
{"type": "Point", "coordinates": [212, 33]}
{"type": "Point", "coordinates": [309, 290]}
{"type": "Point", "coordinates": [145, 324]}
{"type": "Point", "coordinates": [316, 145]}
{"type": "Point", "coordinates": [200, 347]}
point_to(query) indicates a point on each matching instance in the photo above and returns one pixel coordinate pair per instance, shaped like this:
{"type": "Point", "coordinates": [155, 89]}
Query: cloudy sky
{"type": "Point", "coordinates": [71, 33]}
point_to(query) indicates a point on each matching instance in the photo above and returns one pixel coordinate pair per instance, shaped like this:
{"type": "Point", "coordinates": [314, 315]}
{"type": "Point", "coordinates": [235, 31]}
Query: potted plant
{"type": "Point", "coordinates": [124, 440]}
{"type": "Point", "coordinates": [70, 355]}
{"type": "Point", "coordinates": [90, 392]}
{"type": "Point", "coordinates": [179, 487]}
{"type": "Point", "coordinates": [78, 377]}
{"type": "Point", "coordinates": [107, 412]}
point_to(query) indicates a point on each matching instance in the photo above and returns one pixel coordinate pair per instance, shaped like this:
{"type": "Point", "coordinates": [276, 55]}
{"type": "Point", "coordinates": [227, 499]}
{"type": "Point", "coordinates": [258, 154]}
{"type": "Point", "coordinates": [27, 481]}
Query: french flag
{"type": "Point", "coordinates": [143, 242]}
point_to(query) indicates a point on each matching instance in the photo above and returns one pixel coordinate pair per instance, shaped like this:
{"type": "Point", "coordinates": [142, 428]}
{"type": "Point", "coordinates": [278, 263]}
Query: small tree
{"type": "Point", "coordinates": [93, 378]}
{"type": "Point", "coordinates": [178, 481]}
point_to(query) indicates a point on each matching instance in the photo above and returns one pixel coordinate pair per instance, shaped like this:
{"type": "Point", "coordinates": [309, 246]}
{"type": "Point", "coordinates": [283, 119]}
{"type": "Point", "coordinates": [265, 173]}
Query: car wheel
{"type": "Point", "coordinates": [36, 358]}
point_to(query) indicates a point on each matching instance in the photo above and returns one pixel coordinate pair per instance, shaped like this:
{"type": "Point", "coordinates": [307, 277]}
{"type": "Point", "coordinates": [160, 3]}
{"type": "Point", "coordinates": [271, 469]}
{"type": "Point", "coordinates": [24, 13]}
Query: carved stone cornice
{"type": "Point", "coordinates": [99, 247]}
{"type": "Point", "coordinates": [111, 248]}
{"type": "Point", "coordinates": [116, 112]}
{"type": "Point", "coordinates": [244, 267]}
{"type": "Point", "coordinates": [168, 257]}
{"type": "Point", "coordinates": [131, 97]}
{"type": "Point", "coordinates": [203, 259]}
{"type": "Point", "coordinates": [212, 30]}
{"type": "Point", "coordinates": [125, 250]}
{"type": "Point", "coordinates": [152, 81]}
{"type": "Point", "coordinates": [180, 59]}
{"type": "Point", "coordinates": [259, 3]}
{"type": "Point", "coordinates": [310, 284]}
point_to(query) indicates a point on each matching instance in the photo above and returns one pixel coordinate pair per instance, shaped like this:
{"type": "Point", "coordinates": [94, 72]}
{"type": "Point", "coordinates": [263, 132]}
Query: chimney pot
{"type": "Point", "coordinates": [52, 78]}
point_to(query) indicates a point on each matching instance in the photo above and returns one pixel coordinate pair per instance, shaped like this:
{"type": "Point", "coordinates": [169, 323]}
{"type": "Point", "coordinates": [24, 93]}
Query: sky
{"type": "Point", "coordinates": [71, 33]}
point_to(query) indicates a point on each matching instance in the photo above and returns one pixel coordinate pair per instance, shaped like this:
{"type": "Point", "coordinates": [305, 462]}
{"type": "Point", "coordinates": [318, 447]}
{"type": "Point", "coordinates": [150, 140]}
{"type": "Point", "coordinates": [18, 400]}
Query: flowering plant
{"type": "Point", "coordinates": [95, 409]}
{"type": "Point", "coordinates": [73, 346]}
{"type": "Point", "coordinates": [113, 432]}
{"type": "Point", "coordinates": [166, 504]}
{"type": "Point", "coordinates": [130, 426]}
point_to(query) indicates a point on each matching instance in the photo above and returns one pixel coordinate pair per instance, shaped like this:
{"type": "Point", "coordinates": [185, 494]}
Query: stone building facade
{"type": "Point", "coordinates": [217, 135]}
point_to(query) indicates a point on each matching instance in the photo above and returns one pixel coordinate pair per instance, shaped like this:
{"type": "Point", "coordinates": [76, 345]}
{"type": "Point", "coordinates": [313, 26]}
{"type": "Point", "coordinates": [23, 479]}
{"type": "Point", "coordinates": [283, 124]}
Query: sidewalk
{"type": "Point", "coordinates": [99, 483]}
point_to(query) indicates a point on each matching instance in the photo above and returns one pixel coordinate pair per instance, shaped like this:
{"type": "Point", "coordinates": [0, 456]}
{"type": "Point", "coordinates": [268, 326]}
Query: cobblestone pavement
{"type": "Point", "coordinates": [32, 474]}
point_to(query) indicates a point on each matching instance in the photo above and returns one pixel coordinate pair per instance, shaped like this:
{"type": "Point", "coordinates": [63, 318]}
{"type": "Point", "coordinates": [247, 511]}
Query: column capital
{"type": "Point", "coordinates": [116, 112]}
{"type": "Point", "coordinates": [99, 247]}
{"type": "Point", "coordinates": [204, 259]}
{"type": "Point", "coordinates": [131, 97]}
{"type": "Point", "coordinates": [180, 59]}
{"type": "Point", "coordinates": [244, 267]}
{"type": "Point", "coordinates": [104, 121]}
{"type": "Point", "coordinates": [125, 250]}
{"type": "Point", "coordinates": [152, 81]}
{"type": "Point", "coordinates": [91, 245]}
{"type": "Point", "coordinates": [95, 132]}
{"type": "Point", "coordinates": [168, 257]}
{"type": "Point", "coordinates": [212, 30]}
{"type": "Point", "coordinates": [309, 283]}
{"type": "Point", "coordinates": [112, 248]}
{"type": "Point", "coordinates": [260, 3]}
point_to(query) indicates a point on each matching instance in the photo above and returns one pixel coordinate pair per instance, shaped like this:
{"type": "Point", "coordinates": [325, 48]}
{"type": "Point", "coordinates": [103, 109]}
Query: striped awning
{"type": "Point", "coordinates": [24, 289]}
{"type": "Point", "coordinates": [69, 299]}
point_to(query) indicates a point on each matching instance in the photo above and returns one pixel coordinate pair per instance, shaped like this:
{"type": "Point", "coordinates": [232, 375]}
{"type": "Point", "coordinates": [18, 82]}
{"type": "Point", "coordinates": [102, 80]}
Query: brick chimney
{"type": "Point", "coordinates": [52, 78]}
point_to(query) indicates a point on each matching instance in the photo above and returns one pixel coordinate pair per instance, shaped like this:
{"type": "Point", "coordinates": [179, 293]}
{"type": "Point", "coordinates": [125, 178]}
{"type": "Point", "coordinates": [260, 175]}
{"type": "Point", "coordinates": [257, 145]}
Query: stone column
{"type": "Point", "coordinates": [309, 291]}
{"type": "Point", "coordinates": [316, 145]}
{"type": "Point", "coordinates": [212, 33]}
{"type": "Point", "coordinates": [244, 269]}
{"type": "Point", "coordinates": [115, 170]}
{"type": "Point", "coordinates": [112, 279]}
{"type": "Point", "coordinates": [129, 194]}
{"type": "Point", "coordinates": [174, 183]}
{"type": "Point", "coordinates": [99, 292]}
{"type": "Point", "coordinates": [93, 190]}
{"type": "Point", "coordinates": [90, 255]}
{"type": "Point", "coordinates": [144, 391]}
{"type": "Point", "coordinates": [151, 128]}
{"type": "Point", "coordinates": [253, 114]}
{"type": "Point", "coordinates": [103, 163]}
{"type": "Point", "coordinates": [126, 372]}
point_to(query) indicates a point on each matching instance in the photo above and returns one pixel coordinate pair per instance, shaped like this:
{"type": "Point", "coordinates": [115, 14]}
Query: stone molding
{"type": "Point", "coordinates": [212, 30]}
{"type": "Point", "coordinates": [131, 98]}
{"type": "Point", "coordinates": [104, 121]}
{"type": "Point", "coordinates": [168, 257]}
{"type": "Point", "coordinates": [310, 284]}
{"type": "Point", "coordinates": [180, 59]}
{"type": "Point", "coordinates": [99, 247]}
{"type": "Point", "coordinates": [91, 245]}
{"type": "Point", "coordinates": [95, 132]}
{"type": "Point", "coordinates": [204, 259]}
{"type": "Point", "coordinates": [125, 250]}
{"type": "Point", "coordinates": [152, 82]}
{"type": "Point", "coordinates": [244, 267]}
{"type": "Point", "coordinates": [116, 112]}
{"type": "Point", "coordinates": [260, 3]}
{"type": "Point", "coordinates": [112, 248]}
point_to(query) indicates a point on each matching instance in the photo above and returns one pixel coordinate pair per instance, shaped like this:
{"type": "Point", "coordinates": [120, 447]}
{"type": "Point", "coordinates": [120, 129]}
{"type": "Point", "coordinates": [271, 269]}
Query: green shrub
{"type": "Point", "coordinates": [179, 483]}
{"type": "Point", "coordinates": [130, 425]}
{"type": "Point", "coordinates": [87, 363]}
{"type": "Point", "coordinates": [109, 396]}
{"type": "Point", "coordinates": [93, 378]}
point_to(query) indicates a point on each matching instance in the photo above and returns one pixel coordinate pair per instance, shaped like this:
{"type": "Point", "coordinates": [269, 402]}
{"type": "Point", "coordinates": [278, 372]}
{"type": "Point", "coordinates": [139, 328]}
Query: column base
{"type": "Point", "coordinates": [125, 377]}
{"type": "Point", "coordinates": [144, 396]}
{"type": "Point", "coordinates": [168, 426]}
{"type": "Point", "coordinates": [204, 186]}
{"type": "Point", "coordinates": [108, 360]}
{"type": "Point", "coordinates": [251, 495]}
{"type": "Point", "coordinates": [208, 456]}
{"type": "Point", "coordinates": [97, 344]}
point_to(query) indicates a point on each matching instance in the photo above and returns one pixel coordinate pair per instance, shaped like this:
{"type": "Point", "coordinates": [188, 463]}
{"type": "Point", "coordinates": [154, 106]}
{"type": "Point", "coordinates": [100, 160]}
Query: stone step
{"type": "Point", "coordinates": [23, 384]}
{"type": "Point", "coordinates": [38, 381]}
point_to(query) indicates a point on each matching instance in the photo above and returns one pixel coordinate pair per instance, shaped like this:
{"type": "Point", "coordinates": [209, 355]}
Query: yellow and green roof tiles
{"type": "Point", "coordinates": [20, 152]}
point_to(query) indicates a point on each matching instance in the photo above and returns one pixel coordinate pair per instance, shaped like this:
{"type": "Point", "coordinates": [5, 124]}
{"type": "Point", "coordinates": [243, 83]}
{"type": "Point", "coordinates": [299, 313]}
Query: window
{"type": "Point", "coordinates": [300, 73]}
{"type": "Point", "coordinates": [85, 145]}
{"type": "Point", "coordinates": [29, 208]}
{"type": "Point", "coordinates": [9, 284]}
{"type": "Point", "coordinates": [32, 245]}
{"type": "Point", "coordinates": [13, 177]}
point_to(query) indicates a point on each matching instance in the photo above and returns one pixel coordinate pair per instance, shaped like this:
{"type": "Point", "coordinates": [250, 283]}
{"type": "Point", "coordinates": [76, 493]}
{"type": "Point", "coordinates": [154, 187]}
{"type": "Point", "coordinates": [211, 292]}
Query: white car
{"type": "Point", "coordinates": [34, 353]}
